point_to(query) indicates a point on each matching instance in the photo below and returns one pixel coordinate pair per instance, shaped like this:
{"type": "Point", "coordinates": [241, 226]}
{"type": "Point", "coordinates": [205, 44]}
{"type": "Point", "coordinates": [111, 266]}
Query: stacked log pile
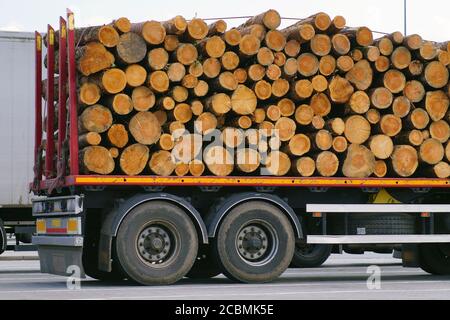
{"type": "Point", "coordinates": [315, 99]}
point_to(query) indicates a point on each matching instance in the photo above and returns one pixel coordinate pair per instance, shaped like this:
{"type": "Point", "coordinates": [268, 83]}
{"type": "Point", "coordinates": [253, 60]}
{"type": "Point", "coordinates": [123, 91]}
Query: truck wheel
{"type": "Point", "coordinates": [157, 244]}
{"type": "Point", "coordinates": [3, 238]}
{"type": "Point", "coordinates": [205, 267]}
{"type": "Point", "coordinates": [310, 256]}
{"type": "Point", "coordinates": [435, 258]}
{"type": "Point", "coordinates": [255, 243]}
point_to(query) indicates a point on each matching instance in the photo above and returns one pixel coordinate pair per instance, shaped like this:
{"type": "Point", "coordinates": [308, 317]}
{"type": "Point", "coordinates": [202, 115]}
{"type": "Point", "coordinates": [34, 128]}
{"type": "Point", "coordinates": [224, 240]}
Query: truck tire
{"type": "Point", "coordinates": [156, 244]}
{"type": "Point", "coordinates": [435, 258]}
{"type": "Point", "coordinates": [255, 243]}
{"type": "Point", "coordinates": [382, 224]}
{"type": "Point", "coordinates": [90, 266]}
{"type": "Point", "coordinates": [310, 256]}
{"type": "Point", "coordinates": [3, 238]}
{"type": "Point", "coordinates": [205, 267]}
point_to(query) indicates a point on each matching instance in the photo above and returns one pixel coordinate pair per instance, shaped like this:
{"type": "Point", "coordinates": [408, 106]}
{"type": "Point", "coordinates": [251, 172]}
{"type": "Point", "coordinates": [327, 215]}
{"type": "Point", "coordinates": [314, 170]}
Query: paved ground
{"type": "Point", "coordinates": [342, 277]}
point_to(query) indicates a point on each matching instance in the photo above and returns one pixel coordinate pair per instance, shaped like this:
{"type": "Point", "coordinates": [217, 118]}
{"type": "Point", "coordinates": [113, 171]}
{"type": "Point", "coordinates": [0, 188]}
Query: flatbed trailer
{"type": "Point", "coordinates": [157, 230]}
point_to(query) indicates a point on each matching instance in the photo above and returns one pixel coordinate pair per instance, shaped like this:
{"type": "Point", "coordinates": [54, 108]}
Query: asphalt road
{"type": "Point", "coordinates": [342, 277]}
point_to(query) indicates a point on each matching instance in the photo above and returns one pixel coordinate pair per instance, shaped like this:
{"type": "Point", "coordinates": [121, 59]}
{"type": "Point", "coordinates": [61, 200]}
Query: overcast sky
{"type": "Point", "coordinates": [430, 18]}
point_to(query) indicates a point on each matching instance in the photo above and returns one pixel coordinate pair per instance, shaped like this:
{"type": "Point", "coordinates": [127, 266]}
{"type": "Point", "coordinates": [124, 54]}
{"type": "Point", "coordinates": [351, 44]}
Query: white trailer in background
{"type": "Point", "coordinates": [16, 135]}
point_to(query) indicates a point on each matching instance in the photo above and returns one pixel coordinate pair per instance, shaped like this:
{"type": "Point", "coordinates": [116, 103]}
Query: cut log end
{"type": "Point", "coordinates": [359, 163]}
{"type": "Point", "coordinates": [97, 160]}
{"type": "Point", "coordinates": [162, 163]}
{"type": "Point", "coordinates": [327, 164]}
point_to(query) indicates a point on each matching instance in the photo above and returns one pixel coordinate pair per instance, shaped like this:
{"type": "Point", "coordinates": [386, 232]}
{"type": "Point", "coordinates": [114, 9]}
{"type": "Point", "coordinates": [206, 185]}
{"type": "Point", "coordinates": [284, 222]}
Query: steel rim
{"type": "Point", "coordinates": [257, 243]}
{"type": "Point", "coordinates": [157, 244]}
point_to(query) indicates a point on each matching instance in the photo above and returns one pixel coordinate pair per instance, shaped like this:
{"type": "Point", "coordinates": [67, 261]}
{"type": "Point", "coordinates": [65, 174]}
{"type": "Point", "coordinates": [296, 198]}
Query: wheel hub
{"type": "Point", "coordinates": [252, 243]}
{"type": "Point", "coordinates": [154, 244]}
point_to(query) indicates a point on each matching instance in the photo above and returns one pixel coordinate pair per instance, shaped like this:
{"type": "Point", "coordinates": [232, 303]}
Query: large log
{"type": "Point", "coordinates": [440, 130]}
{"type": "Point", "coordinates": [405, 161]}
{"type": "Point", "coordinates": [431, 152]}
{"type": "Point", "coordinates": [299, 145]}
{"type": "Point", "coordinates": [308, 64]}
{"type": "Point", "coordinates": [153, 32]}
{"type": "Point", "coordinates": [95, 119]}
{"type": "Point", "coordinates": [97, 160]}
{"type": "Point", "coordinates": [436, 75]}
{"type": "Point", "coordinates": [121, 104]}
{"type": "Point", "coordinates": [131, 48]}
{"type": "Point", "coordinates": [305, 167]}
{"type": "Point", "coordinates": [270, 19]}
{"type": "Point", "coordinates": [437, 104]}
{"type": "Point", "coordinates": [361, 75]}
{"type": "Point", "coordinates": [278, 163]}
{"type": "Point", "coordinates": [118, 136]}
{"type": "Point", "coordinates": [304, 115]}
{"type": "Point", "coordinates": [145, 128]}
{"type": "Point", "coordinates": [219, 104]}
{"type": "Point", "coordinates": [136, 75]}
{"type": "Point", "coordinates": [357, 129]}
{"type": "Point", "coordinates": [243, 101]}
{"type": "Point", "coordinates": [143, 99]}
{"type": "Point", "coordinates": [381, 146]}
{"type": "Point", "coordinates": [359, 163]}
{"type": "Point", "coordinates": [162, 163]}
{"type": "Point", "coordinates": [327, 164]}
{"type": "Point", "coordinates": [112, 81]}
{"type": "Point", "coordinates": [219, 161]}
{"type": "Point", "coordinates": [93, 58]}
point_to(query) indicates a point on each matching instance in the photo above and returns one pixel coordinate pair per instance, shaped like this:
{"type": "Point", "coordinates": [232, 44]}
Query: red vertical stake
{"type": "Point", "coordinates": [73, 112]}
{"type": "Point", "coordinates": [38, 105]}
{"type": "Point", "coordinates": [62, 116]}
{"type": "Point", "coordinates": [50, 148]}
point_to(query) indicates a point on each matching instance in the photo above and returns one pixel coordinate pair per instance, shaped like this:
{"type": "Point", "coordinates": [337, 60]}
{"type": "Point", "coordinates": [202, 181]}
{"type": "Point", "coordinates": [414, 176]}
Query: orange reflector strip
{"type": "Point", "coordinates": [425, 215]}
{"type": "Point", "coordinates": [317, 215]}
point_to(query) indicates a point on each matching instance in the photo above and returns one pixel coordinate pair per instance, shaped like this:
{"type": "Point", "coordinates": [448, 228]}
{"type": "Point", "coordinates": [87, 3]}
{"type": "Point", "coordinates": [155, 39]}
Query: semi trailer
{"type": "Point", "coordinates": [158, 230]}
{"type": "Point", "coordinates": [16, 132]}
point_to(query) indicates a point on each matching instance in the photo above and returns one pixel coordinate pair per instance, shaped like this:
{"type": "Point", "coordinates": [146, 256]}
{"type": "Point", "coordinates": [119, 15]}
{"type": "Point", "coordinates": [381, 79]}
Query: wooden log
{"type": "Point", "coordinates": [280, 59]}
{"type": "Point", "coordinates": [287, 107]}
{"type": "Point", "coordinates": [153, 32]}
{"type": "Point", "coordinates": [336, 126]}
{"type": "Point", "coordinates": [415, 68]}
{"type": "Point", "coordinates": [205, 123]}
{"type": "Point", "coordinates": [321, 104]}
{"type": "Point", "coordinates": [179, 94]}
{"type": "Point", "coordinates": [266, 129]}
{"type": "Point", "coordinates": [385, 45]}
{"type": "Point", "coordinates": [320, 21]}
{"type": "Point", "coordinates": [157, 59]}
{"type": "Point", "coordinates": [373, 116]}
{"type": "Point", "coordinates": [413, 42]}
{"type": "Point", "coordinates": [382, 64]}
{"type": "Point", "coordinates": [337, 24]}
{"type": "Point", "coordinates": [322, 140]}
{"type": "Point", "coordinates": [381, 98]}
{"type": "Point", "coordinates": [431, 152]}
{"type": "Point", "coordinates": [176, 129]}
{"type": "Point", "coordinates": [414, 91]}
{"type": "Point", "coordinates": [145, 128]}
{"type": "Point", "coordinates": [197, 107]}
{"type": "Point", "coordinates": [196, 69]}
{"type": "Point", "coordinates": [120, 103]}
{"type": "Point", "coordinates": [301, 31]}
{"type": "Point", "coordinates": [327, 164]}
{"type": "Point", "coordinates": [440, 130]}
{"type": "Point", "coordinates": [273, 72]}
{"type": "Point", "coordinates": [114, 152]}
{"type": "Point", "coordinates": [243, 122]}
{"type": "Point", "coordinates": [357, 129]}
{"type": "Point", "coordinates": [308, 64]}
{"type": "Point", "coordinates": [217, 28]}
{"type": "Point", "coordinates": [359, 103]}
{"type": "Point", "coordinates": [390, 125]}
{"type": "Point", "coordinates": [263, 90]}
{"type": "Point", "coordinates": [95, 118]}
{"type": "Point", "coordinates": [189, 81]}
{"type": "Point", "coordinates": [290, 68]}
{"type": "Point", "coordinates": [436, 75]}
{"type": "Point", "coordinates": [359, 163]}
{"type": "Point", "coordinates": [381, 169]}
{"type": "Point", "coordinates": [271, 19]}
{"type": "Point", "coordinates": [219, 161]}
{"type": "Point", "coordinates": [248, 160]}
{"type": "Point", "coordinates": [249, 46]}
{"type": "Point", "coordinates": [96, 159]}
{"type": "Point", "coordinates": [320, 45]}
{"type": "Point", "coordinates": [299, 145]}
{"type": "Point", "coordinates": [401, 106]}
{"type": "Point", "coordinates": [136, 75]}
{"type": "Point", "coordinates": [134, 159]}
{"type": "Point", "coordinates": [226, 82]}
{"type": "Point", "coordinates": [340, 144]}
{"type": "Point", "coordinates": [371, 53]}
{"type": "Point", "coordinates": [436, 104]}
{"type": "Point", "coordinates": [278, 164]}
{"type": "Point", "coordinates": [418, 119]}
{"type": "Point", "coordinates": [162, 163]}
{"type": "Point", "coordinates": [186, 54]}
{"type": "Point", "coordinates": [401, 58]}
{"type": "Point", "coordinates": [344, 64]}
{"type": "Point", "coordinates": [428, 51]}
{"type": "Point", "coordinates": [244, 101]}
{"type": "Point", "coordinates": [447, 151]}
{"type": "Point", "coordinates": [181, 169]}
{"type": "Point", "coordinates": [317, 123]}
{"type": "Point", "coordinates": [341, 44]}
{"type": "Point", "coordinates": [414, 138]}
{"type": "Point", "coordinates": [89, 139]}
{"type": "Point", "coordinates": [175, 26]}
{"type": "Point", "coordinates": [256, 72]}
{"type": "Point", "coordinates": [171, 43]}
{"type": "Point", "coordinates": [304, 115]}
{"type": "Point", "coordinates": [444, 57]}
{"type": "Point", "coordinates": [305, 167]}
{"type": "Point", "coordinates": [197, 30]}
{"type": "Point", "coordinates": [89, 94]}
{"type": "Point", "coordinates": [265, 56]}
{"type": "Point", "coordinates": [131, 49]}
{"type": "Point", "coordinates": [340, 90]}
{"type": "Point", "coordinates": [319, 83]}
{"type": "Point", "coordinates": [280, 87]}
{"type": "Point", "coordinates": [187, 148]}
{"type": "Point", "coordinates": [158, 81]}
{"type": "Point", "coordinates": [241, 75]}
{"type": "Point", "coordinates": [394, 81]}
{"type": "Point", "coordinates": [118, 136]}
{"type": "Point", "coordinates": [211, 68]}
{"type": "Point", "coordinates": [396, 37]}
{"type": "Point", "coordinates": [381, 146]}
{"type": "Point", "coordinates": [232, 137]}
{"type": "Point", "coordinates": [197, 168]}
{"type": "Point", "coordinates": [361, 36]}
{"type": "Point", "coordinates": [166, 103]}
{"type": "Point", "coordinates": [257, 30]}
{"type": "Point", "coordinates": [218, 104]}
{"type": "Point", "coordinates": [361, 75]}
{"type": "Point", "coordinates": [275, 40]}
{"type": "Point", "coordinates": [176, 72]}
{"type": "Point", "coordinates": [122, 25]}
{"type": "Point", "coordinates": [111, 81]}
{"type": "Point", "coordinates": [213, 47]}
{"type": "Point", "coordinates": [230, 60]}
{"type": "Point", "coordinates": [273, 113]}
{"type": "Point", "coordinates": [292, 48]}
{"type": "Point", "coordinates": [162, 117]}
{"type": "Point", "coordinates": [286, 128]}
{"type": "Point", "coordinates": [232, 37]}
{"type": "Point", "coordinates": [440, 170]}
{"type": "Point", "coordinates": [259, 116]}
{"type": "Point", "coordinates": [357, 55]}
{"type": "Point", "coordinates": [302, 89]}
{"type": "Point", "coordinates": [201, 90]}
{"type": "Point", "coordinates": [182, 113]}
{"type": "Point", "coordinates": [143, 99]}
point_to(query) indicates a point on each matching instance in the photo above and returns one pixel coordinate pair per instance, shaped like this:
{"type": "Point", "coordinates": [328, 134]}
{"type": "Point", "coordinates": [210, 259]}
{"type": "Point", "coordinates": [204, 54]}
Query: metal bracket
{"type": "Point", "coordinates": [95, 188]}
{"type": "Point", "coordinates": [154, 189]}
{"type": "Point", "coordinates": [318, 189]}
{"type": "Point", "coordinates": [266, 189]}
{"type": "Point", "coordinates": [421, 190]}
{"type": "Point", "coordinates": [210, 189]}
{"type": "Point", "coordinates": [371, 190]}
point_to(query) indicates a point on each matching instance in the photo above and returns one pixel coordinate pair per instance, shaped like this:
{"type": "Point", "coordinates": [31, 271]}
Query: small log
{"type": "Point", "coordinates": [299, 145]}
{"type": "Point", "coordinates": [166, 103]}
{"type": "Point", "coordinates": [337, 24]}
{"type": "Point", "coordinates": [265, 56]}
{"type": "Point", "coordinates": [89, 94]}
{"type": "Point", "coordinates": [244, 101]}
{"type": "Point", "coordinates": [256, 72]}
{"type": "Point", "coordinates": [280, 59]}
{"type": "Point", "coordinates": [382, 64]}
{"type": "Point", "coordinates": [320, 83]}
{"type": "Point", "coordinates": [418, 119]}
{"type": "Point", "coordinates": [120, 103]}
{"type": "Point", "coordinates": [176, 129]}
{"type": "Point", "coordinates": [308, 64]}
{"type": "Point", "coordinates": [431, 152]}
{"type": "Point", "coordinates": [381, 98]}
{"type": "Point", "coordinates": [413, 42]}
{"type": "Point", "coordinates": [322, 140]}
{"type": "Point", "coordinates": [394, 81]}
{"type": "Point", "coordinates": [341, 44]}
{"type": "Point", "coordinates": [280, 87]}
{"type": "Point", "coordinates": [182, 113]}
{"type": "Point", "coordinates": [304, 115]}
{"type": "Point", "coordinates": [287, 107]}
{"type": "Point", "coordinates": [327, 164]}
{"type": "Point", "coordinates": [217, 28]}
{"type": "Point", "coordinates": [357, 55]}
{"type": "Point", "coordinates": [131, 49]}
{"type": "Point", "coordinates": [162, 163]}
{"type": "Point", "coordinates": [175, 26]}
{"type": "Point", "coordinates": [301, 32]}
{"type": "Point", "coordinates": [373, 116]}
{"type": "Point", "coordinates": [197, 168]}
{"type": "Point", "coordinates": [232, 37]}
{"type": "Point", "coordinates": [361, 75]}
{"type": "Point", "coordinates": [401, 58]}
{"type": "Point", "coordinates": [413, 137]}
{"type": "Point", "coordinates": [357, 129]}
{"type": "Point", "coordinates": [275, 40]}
{"type": "Point", "coordinates": [273, 113]}
{"type": "Point", "coordinates": [320, 21]}
{"type": "Point", "coordinates": [336, 126]}
{"type": "Point", "coordinates": [205, 123]}
{"type": "Point", "coordinates": [211, 68]}
{"type": "Point", "coordinates": [344, 64]}
{"type": "Point", "coordinates": [273, 72]}
{"type": "Point", "coordinates": [96, 118]}
{"type": "Point", "coordinates": [292, 48]}
{"type": "Point", "coordinates": [290, 68]}
{"type": "Point", "coordinates": [256, 30]}
{"type": "Point", "coordinates": [219, 104]}
{"type": "Point", "coordinates": [401, 106]}
{"type": "Point", "coordinates": [197, 30]}
{"type": "Point", "coordinates": [136, 75]}
{"type": "Point", "coordinates": [114, 152]}
{"type": "Point", "coordinates": [232, 137]}
{"type": "Point", "coordinates": [359, 103]}
{"type": "Point", "coordinates": [241, 75]}
{"type": "Point", "coordinates": [320, 45]}
{"type": "Point", "coordinates": [171, 43]}
{"type": "Point", "coordinates": [145, 128]}
{"type": "Point", "coordinates": [447, 151]}
{"type": "Point", "coordinates": [385, 45]}
{"type": "Point", "coordinates": [362, 36]}
{"type": "Point", "coordinates": [444, 57]}
{"type": "Point", "coordinates": [428, 51]}
{"type": "Point", "coordinates": [359, 163]}
{"type": "Point", "coordinates": [197, 108]}
{"type": "Point", "coordinates": [263, 90]}
{"type": "Point", "coordinates": [189, 81]}
{"type": "Point", "coordinates": [111, 81]}
{"type": "Point", "coordinates": [219, 161]}
{"type": "Point", "coordinates": [437, 104]}
{"type": "Point", "coordinates": [143, 99]}
{"type": "Point", "coordinates": [213, 47]}
{"type": "Point", "coordinates": [381, 169]}
{"type": "Point", "coordinates": [179, 94]}
{"type": "Point", "coordinates": [225, 82]}
{"type": "Point", "coordinates": [340, 144]}
{"type": "Point", "coordinates": [440, 130]}
{"type": "Point", "coordinates": [415, 68]}
{"type": "Point", "coordinates": [321, 104]}
{"type": "Point", "coordinates": [187, 148]}
{"type": "Point", "coordinates": [390, 125]}
{"type": "Point", "coordinates": [381, 146]}
{"type": "Point", "coordinates": [181, 169]}
{"type": "Point", "coordinates": [158, 59]}
{"type": "Point", "coordinates": [97, 160]}
{"type": "Point", "coordinates": [305, 167]}
{"type": "Point", "coordinates": [196, 69]}
{"type": "Point", "coordinates": [89, 139]}
{"type": "Point", "coordinates": [186, 54]}
{"type": "Point", "coordinates": [396, 37]}
{"type": "Point", "coordinates": [252, 137]}
{"type": "Point", "coordinates": [122, 25]}
{"type": "Point", "coordinates": [201, 90]}
{"type": "Point", "coordinates": [249, 46]}
{"type": "Point", "coordinates": [259, 116]}
{"type": "Point", "coordinates": [436, 75]}
{"type": "Point", "coordinates": [440, 170]}
{"type": "Point", "coordinates": [247, 160]}
{"type": "Point", "coordinates": [243, 122]}
{"type": "Point", "coordinates": [266, 129]}
{"type": "Point", "coordinates": [153, 32]}
{"type": "Point", "coordinates": [286, 128]}
{"type": "Point", "coordinates": [159, 81]}
{"type": "Point", "coordinates": [371, 53]}
{"type": "Point", "coordinates": [317, 123]}
{"type": "Point", "coordinates": [271, 19]}
{"type": "Point", "coordinates": [118, 136]}
{"type": "Point", "coordinates": [230, 60]}
{"type": "Point", "coordinates": [340, 90]}
{"type": "Point", "coordinates": [176, 72]}
{"type": "Point", "coordinates": [414, 91]}
{"type": "Point", "coordinates": [278, 164]}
